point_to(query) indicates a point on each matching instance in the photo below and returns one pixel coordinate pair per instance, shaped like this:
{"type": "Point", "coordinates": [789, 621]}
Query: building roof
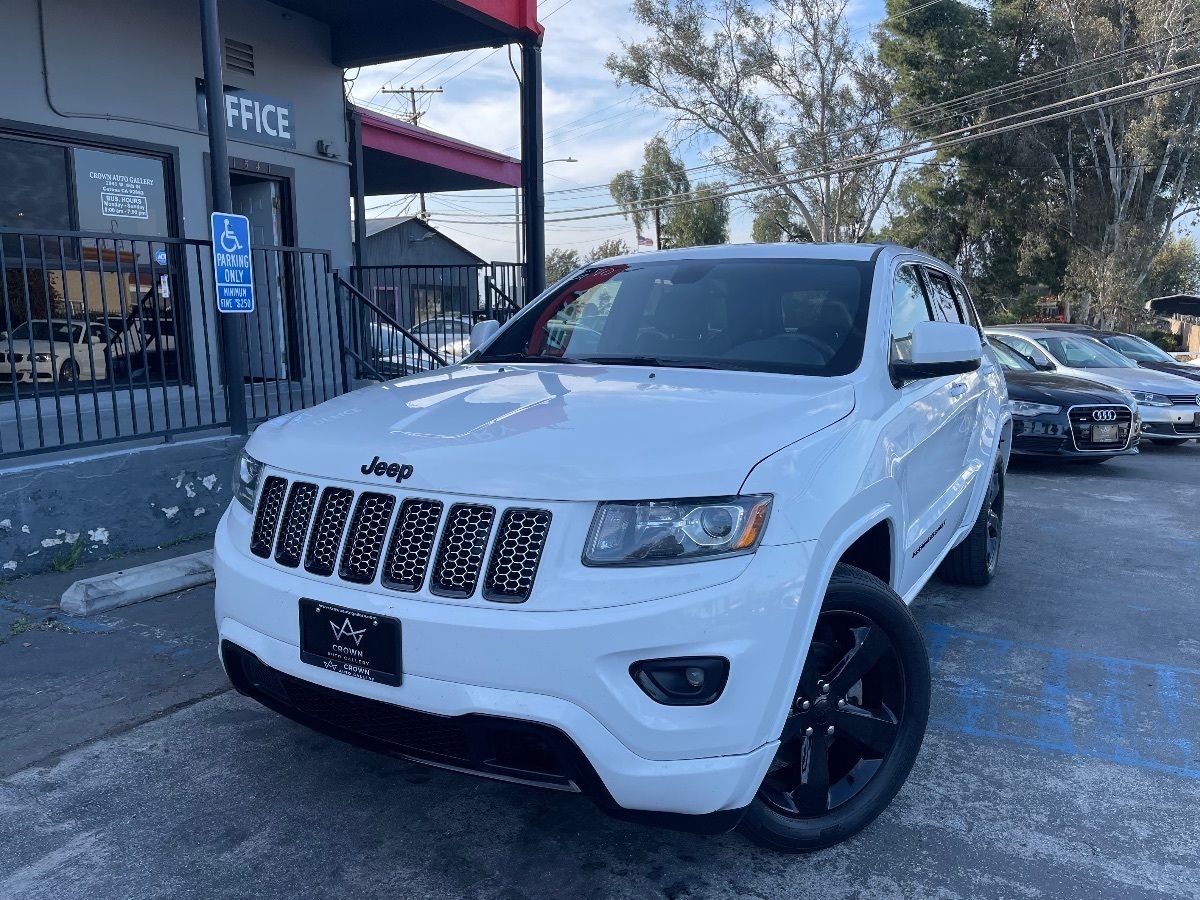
{"type": "Point", "coordinates": [382, 224]}
{"type": "Point", "coordinates": [399, 158]}
{"type": "Point", "coordinates": [366, 32]}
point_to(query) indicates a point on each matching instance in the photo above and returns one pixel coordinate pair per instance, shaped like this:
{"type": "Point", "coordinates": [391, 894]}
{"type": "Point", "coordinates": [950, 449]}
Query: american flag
{"type": "Point", "coordinates": [644, 241]}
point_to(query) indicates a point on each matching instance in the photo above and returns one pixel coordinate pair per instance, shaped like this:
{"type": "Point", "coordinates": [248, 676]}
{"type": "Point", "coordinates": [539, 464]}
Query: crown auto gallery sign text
{"type": "Point", "coordinates": [253, 117]}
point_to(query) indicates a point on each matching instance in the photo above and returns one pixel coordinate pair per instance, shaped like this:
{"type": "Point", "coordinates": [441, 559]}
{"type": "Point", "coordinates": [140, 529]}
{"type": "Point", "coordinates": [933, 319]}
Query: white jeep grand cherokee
{"type": "Point", "coordinates": [653, 541]}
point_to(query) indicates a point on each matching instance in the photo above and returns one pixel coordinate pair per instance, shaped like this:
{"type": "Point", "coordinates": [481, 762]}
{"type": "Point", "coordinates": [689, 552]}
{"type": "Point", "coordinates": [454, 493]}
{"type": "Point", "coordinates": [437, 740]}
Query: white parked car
{"type": "Point", "coordinates": [1169, 405]}
{"type": "Point", "coordinates": [670, 570]}
{"type": "Point", "coordinates": [449, 336]}
{"type": "Point", "coordinates": [55, 350]}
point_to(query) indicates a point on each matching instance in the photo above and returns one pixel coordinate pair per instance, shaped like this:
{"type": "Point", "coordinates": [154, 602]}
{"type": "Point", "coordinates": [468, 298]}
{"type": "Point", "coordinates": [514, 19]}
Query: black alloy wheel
{"type": "Point", "coordinates": [68, 372]}
{"type": "Point", "coordinates": [973, 561]}
{"type": "Point", "coordinates": [855, 724]}
{"type": "Point", "coordinates": [994, 504]}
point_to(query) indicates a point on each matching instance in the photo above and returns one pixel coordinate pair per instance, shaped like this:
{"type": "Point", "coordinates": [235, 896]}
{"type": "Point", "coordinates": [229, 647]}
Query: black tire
{"type": "Point", "coordinates": [877, 731]}
{"type": "Point", "coordinates": [973, 562]}
{"type": "Point", "coordinates": [68, 372]}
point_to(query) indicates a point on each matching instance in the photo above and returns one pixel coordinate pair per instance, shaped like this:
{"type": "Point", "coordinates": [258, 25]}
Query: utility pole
{"type": "Point", "coordinates": [414, 117]}
{"type": "Point", "coordinates": [222, 201]}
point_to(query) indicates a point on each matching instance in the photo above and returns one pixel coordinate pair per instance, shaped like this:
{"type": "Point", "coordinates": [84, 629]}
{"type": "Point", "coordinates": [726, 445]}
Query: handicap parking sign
{"type": "Point", "coordinates": [233, 268]}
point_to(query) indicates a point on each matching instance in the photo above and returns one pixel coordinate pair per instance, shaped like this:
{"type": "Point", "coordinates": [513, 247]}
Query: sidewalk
{"type": "Point", "coordinates": [66, 681]}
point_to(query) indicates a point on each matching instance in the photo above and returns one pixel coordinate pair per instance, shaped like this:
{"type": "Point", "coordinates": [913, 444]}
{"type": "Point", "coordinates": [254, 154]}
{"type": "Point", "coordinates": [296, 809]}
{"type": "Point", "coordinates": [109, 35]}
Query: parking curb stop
{"type": "Point", "coordinates": [89, 596]}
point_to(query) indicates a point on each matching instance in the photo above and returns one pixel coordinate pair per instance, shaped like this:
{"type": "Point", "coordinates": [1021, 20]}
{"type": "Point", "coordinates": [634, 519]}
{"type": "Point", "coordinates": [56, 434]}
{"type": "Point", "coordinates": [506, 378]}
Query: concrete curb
{"type": "Point", "coordinates": [89, 596]}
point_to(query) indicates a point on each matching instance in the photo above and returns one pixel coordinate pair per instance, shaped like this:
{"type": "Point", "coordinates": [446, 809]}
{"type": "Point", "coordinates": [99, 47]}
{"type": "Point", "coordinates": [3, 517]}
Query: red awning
{"type": "Point", "coordinates": [399, 158]}
{"type": "Point", "coordinates": [367, 32]}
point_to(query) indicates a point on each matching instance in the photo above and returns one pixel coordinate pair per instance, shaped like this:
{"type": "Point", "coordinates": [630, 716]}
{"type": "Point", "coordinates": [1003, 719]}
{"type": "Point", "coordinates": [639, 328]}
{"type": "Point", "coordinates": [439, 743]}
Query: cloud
{"type": "Point", "coordinates": [585, 116]}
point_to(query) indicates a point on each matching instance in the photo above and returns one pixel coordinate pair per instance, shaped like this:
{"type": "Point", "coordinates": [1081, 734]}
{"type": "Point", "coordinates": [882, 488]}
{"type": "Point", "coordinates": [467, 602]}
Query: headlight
{"type": "Point", "coordinates": [654, 532]}
{"type": "Point", "coordinates": [1149, 398]}
{"type": "Point", "coordinates": [42, 357]}
{"type": "Point", "coordinates": [246, 474]}
{"type": "Point", "coordinates": [1025, 408]}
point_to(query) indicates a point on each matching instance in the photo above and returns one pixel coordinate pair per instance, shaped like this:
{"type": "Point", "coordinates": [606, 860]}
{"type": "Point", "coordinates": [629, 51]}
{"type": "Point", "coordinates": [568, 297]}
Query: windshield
{"type": "Point", "coordinates": [805, 317]}
{"type": "Point", "coordinates": [1084, 353]}
{"type": "Point", "coordinates": [1137, 348]}
{"type": "Point", "coordinates": [44, 331]}
{"type": "Point", "coordinates": [1010, 361]}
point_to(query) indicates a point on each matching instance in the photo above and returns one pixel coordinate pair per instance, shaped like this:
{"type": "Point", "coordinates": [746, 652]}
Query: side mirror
{"type": "Point", "coordinates": [1043, 366]}
{"type": "Point", "coordinates": [938, 349]}
{"type": "Point", "coordinates": [482, 332]}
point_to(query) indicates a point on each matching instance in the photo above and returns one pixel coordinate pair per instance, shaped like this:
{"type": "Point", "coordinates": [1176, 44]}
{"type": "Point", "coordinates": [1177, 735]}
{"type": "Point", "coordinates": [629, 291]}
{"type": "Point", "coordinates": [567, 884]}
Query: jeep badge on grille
{"type": "Point", "coordinates": [376, 466]}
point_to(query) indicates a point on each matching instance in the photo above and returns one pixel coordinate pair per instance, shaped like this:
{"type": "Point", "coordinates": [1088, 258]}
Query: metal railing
{"type": "Point", "coordinates": [375, 344]}
{"type": "Point", "coordinates": [109, 338]}
{"type": "Point", "coordinates": [439, 304]}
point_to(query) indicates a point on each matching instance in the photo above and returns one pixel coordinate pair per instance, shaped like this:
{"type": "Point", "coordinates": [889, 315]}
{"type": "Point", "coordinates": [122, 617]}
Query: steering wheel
{"type": "Point", "coordinates": [826, 351]}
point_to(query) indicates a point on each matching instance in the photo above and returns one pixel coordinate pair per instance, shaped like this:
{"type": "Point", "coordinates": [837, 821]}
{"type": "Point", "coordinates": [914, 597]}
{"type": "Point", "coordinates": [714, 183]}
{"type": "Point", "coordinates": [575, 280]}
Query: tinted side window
{"type": "Point", "coordinates": [942, 297]}
{"type": "Point", "coordinates": [909, 306]}
{"type": "Point", "coordinates": [966, 307]}
{"type": "Point", "coordinates": [1027, 349]}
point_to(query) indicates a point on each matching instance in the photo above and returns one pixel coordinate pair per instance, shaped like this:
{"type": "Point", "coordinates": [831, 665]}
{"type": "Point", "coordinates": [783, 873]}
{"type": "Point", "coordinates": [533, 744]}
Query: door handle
{"type": "Point", "coordinates": [958, 389]}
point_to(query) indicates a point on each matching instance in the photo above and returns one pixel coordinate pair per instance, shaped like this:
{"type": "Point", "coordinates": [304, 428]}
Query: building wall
{"type": "Point", "coordinates": [130, 71]}
{"type": "Point", "coordinates": [419, 273]}
{"type": "Point", "coordinates": [401, 245]}
{"type": "Point", "coordinates": [85, 508]}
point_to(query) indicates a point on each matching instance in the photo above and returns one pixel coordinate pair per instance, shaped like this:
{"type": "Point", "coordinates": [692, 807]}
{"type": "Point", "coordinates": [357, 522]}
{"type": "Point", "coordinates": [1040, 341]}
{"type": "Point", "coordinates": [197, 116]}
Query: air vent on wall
{"type": "Point", "coordinates": [239, 56]}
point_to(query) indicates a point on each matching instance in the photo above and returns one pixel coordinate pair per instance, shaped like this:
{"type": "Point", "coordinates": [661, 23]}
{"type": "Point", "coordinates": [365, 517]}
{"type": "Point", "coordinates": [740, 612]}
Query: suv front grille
{"type": "Point", "coordinates": [1083, 421]}
{"type": "Point", "coordinates": [296, 516]}
{"type": "Point", "coordinates": [333, 529]}
{"type": "Point", "coordinates": [515, 558]}
{"type": "Point", "coordinates": [412, 544]}
{"type": "Point", "coordinates": [327, 530]}
{"type": "Point", "coordinates": [367, 532]}
{"type": "Point", "coordinates": [270, 502]}
{"type": "Point", "coordinates": [460, 555]}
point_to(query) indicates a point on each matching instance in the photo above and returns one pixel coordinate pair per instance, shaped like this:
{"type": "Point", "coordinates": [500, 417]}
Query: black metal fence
{"type": "Point", "coordinates": [107, 337]}
{"type": "Point", "coordinates": [438, 304]}
{"type": "Point", "coordinates": [111, 337]}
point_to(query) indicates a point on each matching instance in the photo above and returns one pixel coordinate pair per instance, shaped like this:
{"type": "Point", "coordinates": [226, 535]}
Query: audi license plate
{"type": "Point", "coordinates": [1105, 434]}
{"type": "Point", "coordinates": [353, 643]}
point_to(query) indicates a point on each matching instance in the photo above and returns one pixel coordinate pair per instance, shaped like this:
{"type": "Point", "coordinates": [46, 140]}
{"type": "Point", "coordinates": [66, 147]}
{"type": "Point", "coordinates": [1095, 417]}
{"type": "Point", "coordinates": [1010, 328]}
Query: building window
{"type": "Point", "coordinates": [36, 178]}
{"type": "Point", "coordinates": [120, 193]}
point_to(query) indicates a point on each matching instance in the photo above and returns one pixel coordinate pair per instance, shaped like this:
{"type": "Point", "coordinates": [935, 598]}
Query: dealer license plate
{"type": "Point", "coordinates": [351, 642]}
{"type": "Point", "coordinates": [1105, 434]}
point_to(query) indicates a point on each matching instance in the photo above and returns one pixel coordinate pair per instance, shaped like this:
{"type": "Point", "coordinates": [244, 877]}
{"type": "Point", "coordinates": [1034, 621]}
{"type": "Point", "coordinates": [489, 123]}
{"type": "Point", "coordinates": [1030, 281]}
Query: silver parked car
{"type": "Point", "coordinates": [1169, 405]}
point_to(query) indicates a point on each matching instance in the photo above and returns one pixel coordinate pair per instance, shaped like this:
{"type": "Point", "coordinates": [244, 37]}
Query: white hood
{"type": "Point", "coordinates": [558, 432]}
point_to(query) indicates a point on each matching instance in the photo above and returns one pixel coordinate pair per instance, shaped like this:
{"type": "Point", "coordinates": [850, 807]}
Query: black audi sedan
{"type": "Point", "coordinates": [1066, 417]}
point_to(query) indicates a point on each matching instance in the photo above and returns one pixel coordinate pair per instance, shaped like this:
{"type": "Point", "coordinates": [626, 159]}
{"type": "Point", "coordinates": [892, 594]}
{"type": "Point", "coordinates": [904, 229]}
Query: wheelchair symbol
{"type": "Point", "coordinates": [229, 240]}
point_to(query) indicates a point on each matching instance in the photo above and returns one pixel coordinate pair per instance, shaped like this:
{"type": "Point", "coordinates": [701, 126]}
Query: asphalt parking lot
{"type": "Point", "coordinates": [1062, 760]}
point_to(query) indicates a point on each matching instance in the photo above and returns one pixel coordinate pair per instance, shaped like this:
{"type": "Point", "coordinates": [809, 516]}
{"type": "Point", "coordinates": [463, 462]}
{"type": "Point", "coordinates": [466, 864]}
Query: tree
{"type": "Point", "coordinates": [560, 262]}
{"type": "Point", "coordinates": [662, 193]}
{"type": "Point", "coordinates": [1084, 203]}
{"type": "Point", "coordinates": [786, 94]}
{"type": "Point", "coordinates": [605, 249]}
{"type": "Point", "coordinates": [1176, 269]}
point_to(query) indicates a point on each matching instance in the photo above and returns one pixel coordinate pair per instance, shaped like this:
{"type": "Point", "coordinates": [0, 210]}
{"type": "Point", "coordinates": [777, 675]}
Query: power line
{"type": "Point", "coordinates": [954, 137]}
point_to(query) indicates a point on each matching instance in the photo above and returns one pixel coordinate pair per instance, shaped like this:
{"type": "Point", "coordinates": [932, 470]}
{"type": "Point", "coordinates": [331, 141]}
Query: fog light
{"type": "Point", "coordinates": [683, 681]}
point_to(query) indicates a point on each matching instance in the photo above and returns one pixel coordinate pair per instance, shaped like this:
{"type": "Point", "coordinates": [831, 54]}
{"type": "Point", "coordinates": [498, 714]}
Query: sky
{"type": "Point", "coordinates": [586, 117]}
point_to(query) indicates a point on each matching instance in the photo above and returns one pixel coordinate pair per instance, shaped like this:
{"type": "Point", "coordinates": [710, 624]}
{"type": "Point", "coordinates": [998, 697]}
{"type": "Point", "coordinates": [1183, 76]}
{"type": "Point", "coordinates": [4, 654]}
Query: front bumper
{"type": "Point", "coordinates": [566, 670]}
{"type": "Point", "coordinates": [1052, 435]}
{"type": "Point", "coordinates": [1178, 422]}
